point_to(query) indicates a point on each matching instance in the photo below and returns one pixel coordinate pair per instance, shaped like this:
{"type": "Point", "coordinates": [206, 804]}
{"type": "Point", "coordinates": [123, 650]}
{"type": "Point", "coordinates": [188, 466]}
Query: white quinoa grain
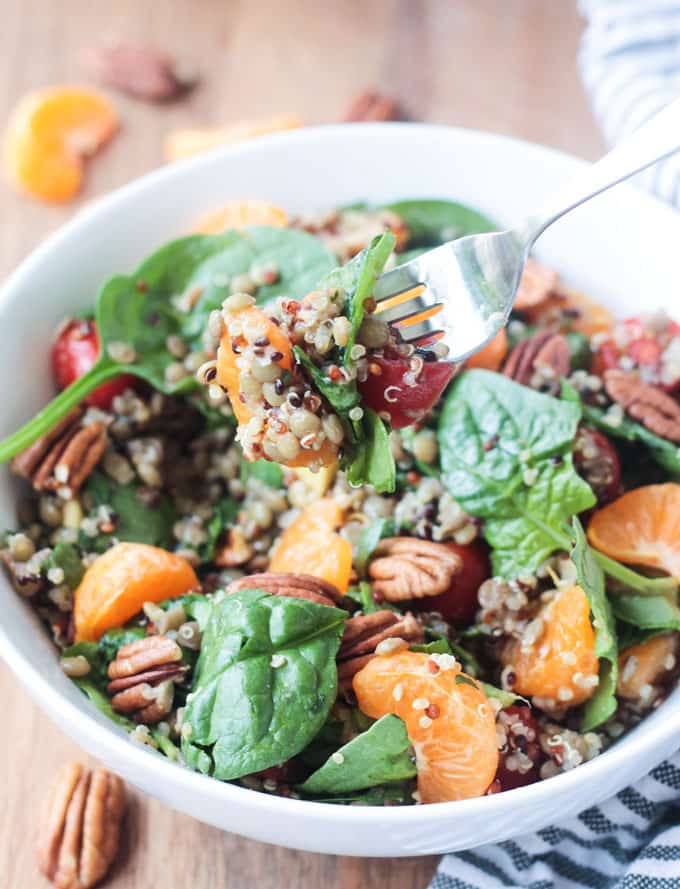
{"type": "Point", "coordinates": [338, 758]}
{"type": "Point", "coordinates": [278, 660]}
{"type": "Point", "coordinates": [420, 704]}
{"type": "Point", "coordinates": [390, 646]}
{"type": "Point", "coordinates": [424, 722]}
{"type": "Point", "coordinates": [398, 691]}
{"type": "Point", "coordinates": [356, 413]}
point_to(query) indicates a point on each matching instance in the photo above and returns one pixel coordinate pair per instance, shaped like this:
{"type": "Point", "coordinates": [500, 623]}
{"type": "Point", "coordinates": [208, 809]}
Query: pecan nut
{"type": "Point", "coordinates": [235, 551]}
{"type": "Point", "coordinates": [537, 283]}
{"type": "Point", "coordinates": [373, 106]}
{"type": "Point", "coordinates": [650, 405]}
{"type": "Point", "coordinates": [64, 457]}
{"type": "Point", "coordinates": [137, 70]}
{"type": "Point", "coordinates": [410, 568]}
{"type": "Point", "coordinates": [80, 826]}
{"type": "Point", "coordinates": [539, 361]}
{"type": "Point", "coordinates": [297, 586]}
{"type": "Point", "coordinates": [143, 676]}
{"type": "Point", "coordinates": [364, 632]}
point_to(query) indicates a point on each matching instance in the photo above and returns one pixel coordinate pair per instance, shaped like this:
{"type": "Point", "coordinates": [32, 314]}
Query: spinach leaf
{"type": "Point", "coordinates": [388, 795]}
{"type": "Point", "coordinates": [663, 452]}
{"type": "Point", "coordinates": [196, 607]}
{"type": "Point", "coordinates": [324, 744]}
{"type": "Point", "coordinates": [65, 556]}
{"type": "Point", "coordinates": [113, 640]}
{"type": "Point", "coordinates": [224, 513]}
{"type": "Point", "coordinates": [342, 397]}
{"type": "Point", "coordinates": [372, 462]}
{"type": "Point", "coordinates": [357, 278]}
{"type": "Point", "coordinates": [173, 293]}
{"type": "Point", "coordinates": [381, 755]}
{"type": "Point", "coordinates": [431, 222]}
{"type": "Point", "coordinates": [370, 537]}
{"type": "Point", "coordinates": [135, 521]}
{"type": "Point", "coordinates": [263, 470]}
{"type": "Point", "coordinates": [590, 577]}
{"type": "Point", "coordinates": [494, 435]}
{"type": "Point", "coordinates": [647, 612]}
{"type": "Point", "coordinates": [437, 646]}
{"type": "Point", "coordinates": [264, 682]}
{"type": "Point", "coordinates": [507, 698]}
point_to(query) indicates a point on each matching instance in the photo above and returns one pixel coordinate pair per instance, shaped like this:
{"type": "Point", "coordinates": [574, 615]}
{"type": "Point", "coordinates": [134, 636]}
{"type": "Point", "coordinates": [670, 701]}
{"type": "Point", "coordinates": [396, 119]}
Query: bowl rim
{"type": "Point", "coordinates": [113, 742]}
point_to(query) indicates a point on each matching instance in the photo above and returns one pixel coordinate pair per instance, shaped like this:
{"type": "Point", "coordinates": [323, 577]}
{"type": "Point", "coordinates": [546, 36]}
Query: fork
{"type": "Point", "coordinates": [466, 288]}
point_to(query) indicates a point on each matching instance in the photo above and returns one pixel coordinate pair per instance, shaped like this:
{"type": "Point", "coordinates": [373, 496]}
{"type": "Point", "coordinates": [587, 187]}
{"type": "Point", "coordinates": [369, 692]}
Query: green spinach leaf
{"type": "Point", "coordinates": [590, 577]}
{"type": "Point", "coordinates": [264, 682]}
{"type": "Point", "coordinates": [224, 513]}
{"type": "Point", "coordinates": [431, 222]}
{"type": "Point", "coordinates": [495, 436]}
{"type": "Point", "coordinates": [372, 462]}
{"type": "Point", "coordinates": [173, 293]}
{"type": "Point", "coordinates": [647, 612]}
{"type": "Point", "coordinates": [264, 471]}
{"type": "Point", "coordinates": [65, 556]}
{"type": "Point", "coordinates": [381, 755]}
{"type": "Point", "coordinates": [370, 537]}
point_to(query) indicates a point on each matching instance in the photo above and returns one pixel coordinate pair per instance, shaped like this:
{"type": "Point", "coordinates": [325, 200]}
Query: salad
{"type": "Point", "coordinates": [282, 547]}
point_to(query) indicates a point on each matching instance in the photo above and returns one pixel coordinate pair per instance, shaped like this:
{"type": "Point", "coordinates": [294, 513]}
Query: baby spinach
{"type": "Point", "coordinates": [357, 278]}
{"type": "Point", "coordinates": [431, 222]}
{"type": "Point", "coordinates": [370, 538]}
{"type": "Point", "coordinates": [265, 471]}
{"type": "Point", "coordinates": [494, 436]}
{"type": "Point", "coordinates": [590, 577]}
{"type": "Point", "coordinates": [135, 520]}
{"type": "Point", "coordinates": [371, 461]}
{"type": "Point", "coordinates": [381, 755]}
{"type": "Point", "coordinates": [173, 293]}
{"type": "Point", "coordinates": [647, 612]}
{"type": "Point", "coordinates": [196, 607]}
{"type": "Point", "coordinates": [264, 682]}
{"type": "Point", "coordinates": [66, 557]}
{"type": "Point", "coordinates": [224, 513]}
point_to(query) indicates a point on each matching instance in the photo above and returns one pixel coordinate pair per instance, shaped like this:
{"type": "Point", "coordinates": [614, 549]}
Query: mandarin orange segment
{"type": "Point", "coordinates": [228, 372]}
{"type": "Point", "coordinates": [645, 664]}
{"type": "Point", "coordinates": [119, 582]}
{"type": "Point", "coordinates": [239, 214]}
{"type": "Point", "coordinates": [492, 355]}
{"type": "Point", "coordinates": [560, 662]}
{"type": "Point", "coordinates": [448, 719]}
{"type": "Point", "coordinates": [588, 317]}
{"type": "Point", "coordinates": [311, 544]}
{"type": "Point", "coordinates": [184, 143]}
{"type": "Point", "coordinates": [641, 528]}
{"type": "Point", "coordinates": [48, 135]}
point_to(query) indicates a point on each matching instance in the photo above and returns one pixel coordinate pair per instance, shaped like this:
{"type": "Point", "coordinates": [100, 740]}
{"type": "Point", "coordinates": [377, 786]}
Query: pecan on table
{"type": "Point", "coordinates": [63, 458]}
{"type": "Point", "coordinates": [297, 586]}
{"type": "Point", "coordinates": [373, 106]}
{"type": "Point", "coordinates": [409, 568]}
{"type": "Point", "coordinates": [137, 70]}
{"type": "Point", "coordinates": [539, 361]}
{"type": "Point", "coordinates": [537, 283]}
{"type": "Point", "coordinates": [143, 676]}
{"type": "Point", "coordinates": [80, 826]}
{"type": "Point", "coordinates": [655, 409]}
{"type": "Point", "coordinates": [366, 631]}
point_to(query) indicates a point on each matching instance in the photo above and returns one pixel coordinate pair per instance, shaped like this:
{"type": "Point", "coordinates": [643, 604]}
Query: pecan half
{"type": "Point", "coordinates": [536, 284]}
{"type": "Point", "coordinates": [143, 676]}
{"type": "Point", "coordinates": [80, 826]}
{"type": "Point", "coordinates": [539, 361]}
{"type": "Point", "coordinates": [650, 405]}
{"type": "Point", "coordinates": [137, 70]}
{"type": "Point", "coordinates": [235, 551]}
{"type": "Point", "coordinates": [364, 632]}
{"type": "Point", "coordinates": [297, 586]}
{"type": "Point", "coordinates": [410, 568]}
{"type": "Point", "coordinates": [64, 457]}
{"type": "Point", "coordinates": [373, 106]}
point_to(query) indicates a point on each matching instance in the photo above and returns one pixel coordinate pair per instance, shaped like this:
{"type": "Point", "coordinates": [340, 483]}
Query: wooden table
{"type": "Point", "coordinates": [508, 65]}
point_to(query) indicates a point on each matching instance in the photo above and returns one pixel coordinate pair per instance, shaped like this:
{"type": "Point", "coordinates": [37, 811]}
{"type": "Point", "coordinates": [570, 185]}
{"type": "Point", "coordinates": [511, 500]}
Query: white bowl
{"type": "Point", "coordinates": [622, 248]}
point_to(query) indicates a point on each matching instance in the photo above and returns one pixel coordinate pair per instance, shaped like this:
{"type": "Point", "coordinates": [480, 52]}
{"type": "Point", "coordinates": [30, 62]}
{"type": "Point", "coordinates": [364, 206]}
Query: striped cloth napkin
{"type": "Point", "coordinates": [630, 62]}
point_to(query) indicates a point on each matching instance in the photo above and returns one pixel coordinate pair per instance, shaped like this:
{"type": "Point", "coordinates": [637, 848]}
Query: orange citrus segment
{"type": "Point", "coordinates": [119, 582]}
{"type": "Point", "coordinates": [645, 664]}
{"type": "Point", "coordinates": [587, 316]}
{"type": "Point", "coordinates": [311, 544]}
{"type": "Point", "coordinates": [642, 528]}
{"type": "Point", "coordinates": [239, 214]}
{"type": "Point", "coordinates": [492, 355]}
{"type": "Point", "coordinates": [448, 720]}
{"type": "Point", "coordinates": [184, 143]}
{"type": "Point", "coordinates": [228, 371]}
{"type": "Point", "coordinates": [49, 134]}
{"type": "Point", "coordinates": [561, 661]}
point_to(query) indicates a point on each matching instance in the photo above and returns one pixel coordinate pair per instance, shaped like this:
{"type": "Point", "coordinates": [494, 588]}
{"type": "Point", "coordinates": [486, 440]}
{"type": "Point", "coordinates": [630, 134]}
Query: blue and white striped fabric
{"type": "Point", "coordinates": [630, 61]}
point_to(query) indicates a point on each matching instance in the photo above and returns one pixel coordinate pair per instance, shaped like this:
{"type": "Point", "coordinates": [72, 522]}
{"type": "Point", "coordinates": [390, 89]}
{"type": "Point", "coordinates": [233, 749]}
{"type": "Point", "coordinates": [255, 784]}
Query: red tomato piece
{"type": "Point", "coordinates": [386, 392]}
{"type": "Point", "coordinates": [459, 603]}
{"type": "Point", "coordinates": [74, 352]}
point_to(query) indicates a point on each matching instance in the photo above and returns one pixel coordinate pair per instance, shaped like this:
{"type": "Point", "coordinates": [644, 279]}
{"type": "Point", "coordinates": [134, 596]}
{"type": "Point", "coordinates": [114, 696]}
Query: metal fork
{"type": "Point", "coordinates": [468, 286]}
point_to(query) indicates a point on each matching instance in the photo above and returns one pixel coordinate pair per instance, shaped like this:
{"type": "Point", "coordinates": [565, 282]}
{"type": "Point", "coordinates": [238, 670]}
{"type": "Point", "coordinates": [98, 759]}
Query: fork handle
{"type": "Point", "coordinates": [655, 140]}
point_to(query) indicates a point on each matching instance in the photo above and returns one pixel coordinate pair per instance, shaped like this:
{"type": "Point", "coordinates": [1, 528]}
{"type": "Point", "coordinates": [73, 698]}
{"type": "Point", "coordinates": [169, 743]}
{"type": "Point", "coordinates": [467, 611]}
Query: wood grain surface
{"type": "Point", "coordinates": [504, 65]}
